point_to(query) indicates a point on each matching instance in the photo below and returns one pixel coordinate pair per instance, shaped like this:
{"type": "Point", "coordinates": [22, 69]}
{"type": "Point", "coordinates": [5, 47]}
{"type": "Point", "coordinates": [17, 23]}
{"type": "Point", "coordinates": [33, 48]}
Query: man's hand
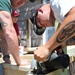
{"type": "Point", "coordinates": [41, 54]}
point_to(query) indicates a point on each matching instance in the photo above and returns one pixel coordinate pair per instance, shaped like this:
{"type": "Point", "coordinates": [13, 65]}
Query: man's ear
{"type": "Point", "coordinates": [40, 10]}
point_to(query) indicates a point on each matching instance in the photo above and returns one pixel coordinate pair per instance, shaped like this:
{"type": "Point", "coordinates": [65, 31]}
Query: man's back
{"type": "Point", "coordinates": [61, 8]}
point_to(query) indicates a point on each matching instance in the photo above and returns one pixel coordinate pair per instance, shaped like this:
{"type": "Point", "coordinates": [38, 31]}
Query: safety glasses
{"type": "Point", "coordinates": [38, 29]}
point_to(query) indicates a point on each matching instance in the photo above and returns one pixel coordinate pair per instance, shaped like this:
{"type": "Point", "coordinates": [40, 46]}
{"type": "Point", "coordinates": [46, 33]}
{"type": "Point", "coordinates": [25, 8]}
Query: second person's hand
{"type": "Point", "coordinates": [41, 54]}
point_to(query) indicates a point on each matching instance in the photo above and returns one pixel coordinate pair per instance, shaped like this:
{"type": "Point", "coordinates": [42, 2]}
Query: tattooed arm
{"type": "Point", "coordinates": [8, 36]}
{"type": "Point", "coordinates": [64, 32]}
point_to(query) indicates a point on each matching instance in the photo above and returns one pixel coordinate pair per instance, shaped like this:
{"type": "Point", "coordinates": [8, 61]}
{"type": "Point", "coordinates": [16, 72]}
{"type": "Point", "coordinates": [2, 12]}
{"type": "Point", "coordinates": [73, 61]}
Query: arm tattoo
{"type": "Point", "coordinates": [66, 32]}
{"type": "Point", "coordinates": [3, 24]}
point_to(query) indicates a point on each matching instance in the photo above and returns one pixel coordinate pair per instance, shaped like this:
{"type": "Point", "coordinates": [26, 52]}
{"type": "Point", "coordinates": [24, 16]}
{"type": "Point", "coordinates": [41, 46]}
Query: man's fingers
{"type": "Point", "coordinates": [37, 56]}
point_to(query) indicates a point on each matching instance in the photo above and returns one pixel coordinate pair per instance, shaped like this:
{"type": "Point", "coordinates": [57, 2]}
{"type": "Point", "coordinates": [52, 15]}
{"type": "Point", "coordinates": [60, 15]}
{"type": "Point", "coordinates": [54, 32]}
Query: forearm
{"type": "Point", "coordinates": [64, 32]}
{"type": "Point", "coordinates": [10, 35]}
{"type": "Point", "coordinates": [12, 43]}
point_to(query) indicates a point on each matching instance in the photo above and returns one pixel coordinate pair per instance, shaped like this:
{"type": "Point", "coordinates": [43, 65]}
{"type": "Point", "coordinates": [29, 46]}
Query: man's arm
{"type": "Point", "coordinates": [64, 32]}
{"type": "Point", "coordinates": [10, 35]}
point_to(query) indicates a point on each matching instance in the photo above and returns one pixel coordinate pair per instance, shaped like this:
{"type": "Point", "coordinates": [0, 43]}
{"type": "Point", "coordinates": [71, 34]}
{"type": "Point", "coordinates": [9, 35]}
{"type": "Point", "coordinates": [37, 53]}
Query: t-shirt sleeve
{"type": "Point", "coordinates": [5, 5]}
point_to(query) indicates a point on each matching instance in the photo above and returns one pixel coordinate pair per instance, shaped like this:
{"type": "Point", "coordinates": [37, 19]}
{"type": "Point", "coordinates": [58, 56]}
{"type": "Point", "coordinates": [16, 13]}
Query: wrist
{"type": "Point", "coordinates": [47, 46]}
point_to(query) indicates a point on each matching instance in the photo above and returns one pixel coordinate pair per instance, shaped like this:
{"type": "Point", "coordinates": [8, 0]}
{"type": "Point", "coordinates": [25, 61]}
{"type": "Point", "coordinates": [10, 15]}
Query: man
{"type": "Point", "coordinates": [64, 12]}
{"type": "Point", "coordinates": [7, 31]}
{"type": "Point", "coordinates": [15, 15]}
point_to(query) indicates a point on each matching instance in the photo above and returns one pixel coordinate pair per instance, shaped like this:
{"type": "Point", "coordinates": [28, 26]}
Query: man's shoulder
{"type": "Point", "coordinates": [5, 5]}
{"type": "Point", "coordinates": [4, 1]}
